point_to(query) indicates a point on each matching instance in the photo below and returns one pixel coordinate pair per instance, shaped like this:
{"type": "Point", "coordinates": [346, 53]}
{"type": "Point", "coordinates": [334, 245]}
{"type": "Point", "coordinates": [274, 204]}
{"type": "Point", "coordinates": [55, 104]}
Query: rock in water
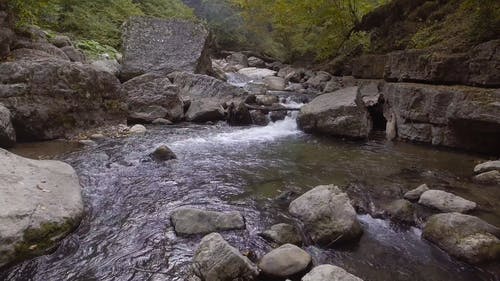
{"type": "Point", "coordinates": [491, 177]}
{"type": "Point", "coordinates": [416, 193]}
{"type": "Point", "coordinates": [51, 98]}
{"type": "Point", "coordinates": [282, 233]}
{"type": "Point", "coordinates": [152, 96]}
{"type": "Point", "coordinates": [152, 44]}
{"type": "Point", "coordinates": [487, 166]}
{"type": "Point", "coordinates": [464, 237]}
{"type": "Point", "coordinates": [337, 114]}
{"type": "Point", "coordinates": [328, 272]}
{"type": "Point", "coordinates": [138, 129]}
{"type": "Point", "coordinates": [256, 73]}
{"type": "Point", "coordinates": [216, 260]}
{"type": "Point", "coordinates": [40, 203]}
{"type": "Point", "coordinates": [285, 261]}
{"type": "Point", "coordinates": [7, 133]}
{"type": "Point", "coordinates": [195, 221]}
{"type": "Point", "coordinates": [400, 210]}
{"type": "Point", "coordinates": [275, 83]}
{"type": "Point", "coordinates": [446, 202]}
{"type": "Point", "coordinates": [327, 214]}
{"type": "Point", "coordinates": [163, 153]}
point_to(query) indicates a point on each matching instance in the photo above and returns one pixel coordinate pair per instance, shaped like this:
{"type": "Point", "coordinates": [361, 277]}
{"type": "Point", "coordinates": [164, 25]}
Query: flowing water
{"type": "Point", "coordinates": [126, 233]}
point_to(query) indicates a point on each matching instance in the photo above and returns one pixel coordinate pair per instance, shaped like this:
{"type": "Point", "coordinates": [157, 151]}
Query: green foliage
{"type": "Point", "coordinates": [319, 27]}
{"type": "Point", "coordinates": [98, 20]}
{"type": "Point", "coordinates": [94, 49]}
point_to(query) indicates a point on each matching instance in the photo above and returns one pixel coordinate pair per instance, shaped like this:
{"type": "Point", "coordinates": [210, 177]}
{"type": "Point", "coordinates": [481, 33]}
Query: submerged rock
{"type": "Point", "coordinates": [415, 194]}
{"type": "Point", "coordinates": [40, 203]}
{"type": "Point", "coordinates": [446, 202]}
{"type": "Point", "coordinates": [328, 272]}
{"type": "Point", "coordinates": [285, 261]}
{"type": "Point", "coordinates": [401, 210]}
{"type": "Point", "coordinates": [327, 214]}
{"type": "Point", "coordinates": [7, 133]}
{"type": "Point", "coordinates": [163, 153]}
{"type": "Point", "coordinates": [465, 237]}
{"type": "Point", "coordinates": [338, 114]}
{"type": "Point", "coordinates": [283, 233]}
{"type": "Point", "coordinates": [153, 44]}
{"type": "Point", "coordinates": [195, 221]}
{"type": "Point", "coordinates": [216, 260]}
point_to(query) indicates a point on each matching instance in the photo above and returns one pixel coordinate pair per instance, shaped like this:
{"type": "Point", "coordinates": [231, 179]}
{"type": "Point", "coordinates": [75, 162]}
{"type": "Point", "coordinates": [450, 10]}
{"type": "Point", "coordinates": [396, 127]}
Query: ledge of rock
{"type": "Point", "coordinates": [51, 98]}
{"type": "Point", "coordinates": [152, 44]}
{"type": "Point", "coordinates": [327, 214]}
{"type": "Point", "coordinates": [188, 221]}
{"type": "Point", "coordinates": [40, 203]}
{"type": "Point", "coordinates": [216, 260]}
{"type": "Point", "coordinates": [465, 237]}
{"type": "Point", "coordinates": [337, 114]}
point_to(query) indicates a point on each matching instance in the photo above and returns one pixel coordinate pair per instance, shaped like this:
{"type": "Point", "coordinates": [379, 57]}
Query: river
{"type": "Point", "coordinates": [126, 233]}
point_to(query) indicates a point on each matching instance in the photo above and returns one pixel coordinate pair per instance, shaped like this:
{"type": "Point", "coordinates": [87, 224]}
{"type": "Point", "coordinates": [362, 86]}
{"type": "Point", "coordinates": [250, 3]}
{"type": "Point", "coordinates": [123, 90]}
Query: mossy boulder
{"type": "Point", "coordinates": [40, 203]}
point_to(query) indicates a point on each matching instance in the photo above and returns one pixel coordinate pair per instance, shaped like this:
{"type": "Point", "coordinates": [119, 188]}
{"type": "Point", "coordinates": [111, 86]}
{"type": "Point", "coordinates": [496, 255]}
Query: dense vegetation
{"type": "Point", "coordinates": [98, 20]}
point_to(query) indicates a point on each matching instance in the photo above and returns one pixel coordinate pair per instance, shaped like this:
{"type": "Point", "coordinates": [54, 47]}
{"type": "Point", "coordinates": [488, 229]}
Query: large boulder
{"type": "Point", "coordinates": [152, 44]}
{"type": "Point", "coordinates": [52, 98]}
{"type": "Point", "coordinates": [152, 96]}
{"type": "Point", "coordinates": [327, 214]}
{"type": "Point", "coordinates": [339, 114]}
{"type": "Point", "coordinates": [216, 260]}
{"type": "Point", "coordinates": [446, 202]}
{"type": "Point", "coordinates": [190, 221]}
{"type": "Point", "coordinates": [328, 272]}
{"type": "Point", "coordinates": [40, 203]}
{"type": "Point", "coordinates": [465, 237]}
{"type": "Point", "coordinates": [205, 110]}
{"type": "Point", "coordinates": [491, 177]}
{"type": "Point", "coordinates": [7, 133]}
{"type": "Point", "coordinates": [487, 166]}
{"type": "Point", "coordinates": [285, 261]}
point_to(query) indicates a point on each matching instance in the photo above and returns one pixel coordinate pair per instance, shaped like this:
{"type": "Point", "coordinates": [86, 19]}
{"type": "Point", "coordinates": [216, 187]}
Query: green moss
{"type": "Point", "coordinates": [95, 50]}
{"type": "Point", "coordinates": [37, 241]}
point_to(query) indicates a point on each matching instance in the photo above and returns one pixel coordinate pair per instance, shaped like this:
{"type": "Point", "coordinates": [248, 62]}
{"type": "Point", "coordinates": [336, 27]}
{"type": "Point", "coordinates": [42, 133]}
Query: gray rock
{"type": "Point", "coordinates": [206, 110]}
{"type": "Point", "coordinates": [257, 73]}
{"type": "Point", "coordinates": [465, 237]}
{"type": "Point", "coordinates": [137, 129]}
{"type": "Point", "coordinates": [369, 67]}
{"type": "Point", "coordinates": [74, 54]}
{"type": "Point", "coordinates": [256, 88]}
{"type": "Point", "coordinates": [332, 86]}
{"type": "Point", "coordinates": [327, 214]}
{"type": "Point", "coordinates": [446, 202]}
{"type": "Point", "coordinates": [487, 166]}
{"type": "Point", "coordinates": [53, 98]}
{"type": "Point", "coordinates": [328, 272]}
{"type": "Point", "coordinates": [237, 61]}
{"type": "Point", "coordinates": [152, 96]}
{"type": "Point", "coordinates": [49, 49]}
{"type": "Point", "coordinates": [282, 233]}
{"type": "Point", "coordinates": [414, 194]}
{"type": "Point", "coordinates": [401, 210]}
{"type": "Point", "coordinates": [110, 66]}
{"type": "Point", "coordinates": [339, 114]}
{"type": "Point", "coordinates": [491, 177]}
{"type": "Point", "coordinates": [152, 44]}
{"type": "Point", "coordinates": [256, 62]}
{"type": "Point", "coordinates": [285, 261]}
{"type": "Point", "coordinates": [87, 142]}
{"type": "Point", "coordinates": [163, 153]}
{"type": "Point", "coordinates": [189, 221]}
{"type": "Point", "coordinates": [259, 118]}
{"type": "Point", "coordinates": [318, 81]}
{"type": "Point", "coordinates": [7, 133]}
{"type": "Point", "coordinates": [266, 100]}
{"type": "Point", "coordinates": [278, 115]}
{"type": "Point", "coordinates": [46, 206]}
{"type": "Point", "coordinates": [216, 260]}
{"type": "Point", "coordinates": [274, 83]}
{"type": "Point", "coordinates": [239, 115]}
{"type": "Point", "coordinates": [6, 39]}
